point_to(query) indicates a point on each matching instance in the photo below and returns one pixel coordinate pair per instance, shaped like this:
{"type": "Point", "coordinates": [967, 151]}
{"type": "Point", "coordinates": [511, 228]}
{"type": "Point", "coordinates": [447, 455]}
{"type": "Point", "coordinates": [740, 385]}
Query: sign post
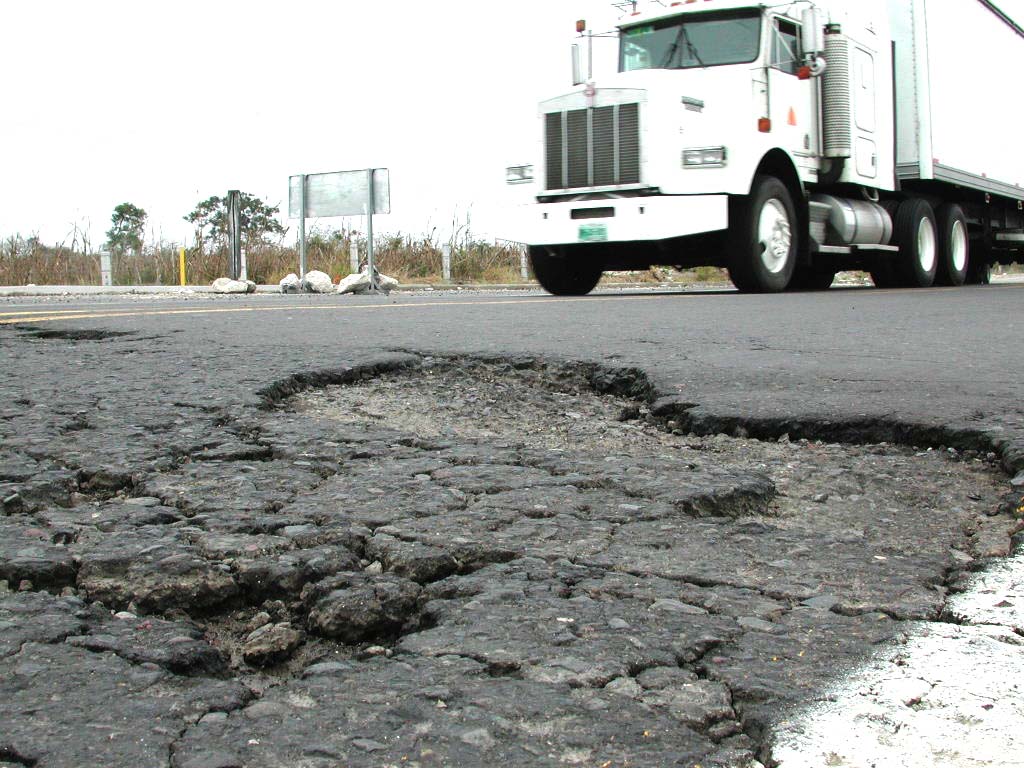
{"type": "Point", "coordinates": [369, 232]}
{"type": "Point", "coordinates": [340, 193]}
{"type": "Point", "coordinates": [302, 226]}
{"type": "Point", "coordinates": [235, 233]}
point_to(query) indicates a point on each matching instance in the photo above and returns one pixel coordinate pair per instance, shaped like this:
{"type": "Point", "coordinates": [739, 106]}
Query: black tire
{"type": "Point", "coordinates": [882, 269]}
{"type": "Point", "coordinates": [916, 233]}
{"type": "Point", "coordinates": [564, 274]}
{"type": "Point", "coordinates": [812, 278]}
{"type": "Point", "coordinates": [764, 237]}
{"type": "Point", "coordinates": [954, 246]}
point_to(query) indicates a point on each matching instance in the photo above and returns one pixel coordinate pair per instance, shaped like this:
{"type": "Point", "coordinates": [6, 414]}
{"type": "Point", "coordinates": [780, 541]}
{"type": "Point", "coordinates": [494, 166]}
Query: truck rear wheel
{"type": "Point", "coordinates": [915, 232]}
{"type": "Point", "coordinates": [764, 237]}
{"type": "Point", "coordinates": [954, 246]}
{"type": "Point", "coordinates": [564, 273]}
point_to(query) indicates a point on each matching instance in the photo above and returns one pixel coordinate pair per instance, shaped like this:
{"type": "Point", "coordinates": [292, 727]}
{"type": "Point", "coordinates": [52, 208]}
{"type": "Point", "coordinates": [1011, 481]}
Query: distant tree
{"type": "Point", "coordinates": [259, 225]}
{"type": "Point", "coordinates": [127, 225]}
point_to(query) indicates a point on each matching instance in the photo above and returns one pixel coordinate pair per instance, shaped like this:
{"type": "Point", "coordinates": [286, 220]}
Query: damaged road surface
{"type": "Point", "coordinates": [455, 561]}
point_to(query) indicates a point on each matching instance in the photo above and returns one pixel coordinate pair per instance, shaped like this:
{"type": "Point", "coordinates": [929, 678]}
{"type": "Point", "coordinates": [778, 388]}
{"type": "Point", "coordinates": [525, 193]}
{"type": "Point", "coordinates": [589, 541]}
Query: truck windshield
{"type": "Point", "coordinates": [694, 40]}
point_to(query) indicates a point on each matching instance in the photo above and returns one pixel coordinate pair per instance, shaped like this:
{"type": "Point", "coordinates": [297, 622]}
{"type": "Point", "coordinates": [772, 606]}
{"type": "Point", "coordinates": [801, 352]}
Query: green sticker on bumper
{"type": "Point", "coordinates": [593, 233]}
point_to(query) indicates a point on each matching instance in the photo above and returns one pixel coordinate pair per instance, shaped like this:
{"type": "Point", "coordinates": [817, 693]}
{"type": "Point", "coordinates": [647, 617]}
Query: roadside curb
{"type": "Point", "coordinates": [189, 290]}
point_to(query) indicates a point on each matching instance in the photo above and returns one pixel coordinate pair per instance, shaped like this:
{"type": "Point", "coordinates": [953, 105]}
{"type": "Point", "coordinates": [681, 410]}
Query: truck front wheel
{"type": "Point", "coordinates": [564, 273]}
{"type": "Point", "coordinates": [764, 237]}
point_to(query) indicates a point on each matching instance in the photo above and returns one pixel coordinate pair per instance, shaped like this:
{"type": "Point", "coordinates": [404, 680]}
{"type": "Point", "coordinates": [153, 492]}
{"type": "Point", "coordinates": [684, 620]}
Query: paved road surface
{"type": "Point", "coordinates": [202, 576]}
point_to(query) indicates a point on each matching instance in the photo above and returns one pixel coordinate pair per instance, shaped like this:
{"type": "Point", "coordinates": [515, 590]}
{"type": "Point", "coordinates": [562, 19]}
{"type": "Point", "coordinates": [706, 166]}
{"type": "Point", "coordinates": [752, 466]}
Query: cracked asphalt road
{"type": "Point", "coordinates": [624, 530]}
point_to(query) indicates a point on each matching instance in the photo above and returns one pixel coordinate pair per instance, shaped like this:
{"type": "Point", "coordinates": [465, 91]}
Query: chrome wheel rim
{"type": "Point", "coordinates": [958, 246]}
{"type": "Point", "coordinates": [775, 236]}
{"type": "Point", "coordinates": [926, 244]}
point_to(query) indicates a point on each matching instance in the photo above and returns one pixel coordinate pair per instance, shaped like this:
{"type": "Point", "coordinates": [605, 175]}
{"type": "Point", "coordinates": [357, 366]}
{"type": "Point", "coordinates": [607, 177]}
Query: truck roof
{"type": "Point", "coordinates": [655, 11]}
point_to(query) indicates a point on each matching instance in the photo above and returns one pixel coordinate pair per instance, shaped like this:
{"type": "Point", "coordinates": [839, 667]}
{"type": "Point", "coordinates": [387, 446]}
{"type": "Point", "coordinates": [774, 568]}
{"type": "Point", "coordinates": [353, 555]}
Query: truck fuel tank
{"type": "Point", "coordinates": [855, 222]}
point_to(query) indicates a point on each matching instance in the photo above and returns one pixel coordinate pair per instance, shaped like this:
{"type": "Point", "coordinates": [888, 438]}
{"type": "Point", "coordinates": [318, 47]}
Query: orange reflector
{"type": "Point", "coordinates": [792, 116]}
{"type": "Point", "coordinates": [804, 73]}
{"type": "Point", "coordinates": [581, 26]}
{"type": "Point", "coordinates": [764, 125]}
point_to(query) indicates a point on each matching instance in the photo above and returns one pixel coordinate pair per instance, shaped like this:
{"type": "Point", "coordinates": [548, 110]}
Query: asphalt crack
{"type": "Point", "coordinates": [538, 477]}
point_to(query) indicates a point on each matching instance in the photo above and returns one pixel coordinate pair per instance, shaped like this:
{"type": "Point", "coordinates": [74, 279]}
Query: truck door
{"type": "Point", "coordinates": [864, 118]}
{"type": "Point", "coordinates": [793, 115]}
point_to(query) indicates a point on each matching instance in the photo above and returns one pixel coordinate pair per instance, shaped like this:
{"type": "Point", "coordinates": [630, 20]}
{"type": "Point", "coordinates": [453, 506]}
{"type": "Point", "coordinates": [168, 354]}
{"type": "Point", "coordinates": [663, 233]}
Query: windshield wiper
{"type": "Point", "coordinates": [682, 37]}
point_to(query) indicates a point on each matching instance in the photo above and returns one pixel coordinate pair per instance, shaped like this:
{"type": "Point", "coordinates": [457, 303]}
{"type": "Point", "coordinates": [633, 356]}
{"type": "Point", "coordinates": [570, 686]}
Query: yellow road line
{"type": "Point", "coordinates": [88, 315]}
{"type": "Point", "coordinates": [51, 312]}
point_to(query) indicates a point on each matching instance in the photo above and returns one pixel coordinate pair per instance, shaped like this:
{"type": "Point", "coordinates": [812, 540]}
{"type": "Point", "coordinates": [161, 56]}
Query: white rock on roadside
{"type": "Point", "coordinates": [290, 283]}
{"type": "Point", "coordinates": [360, 282]}
{"type": "Point", "coordinates": [355, 283]}
{"type": "Point", "coordinates": [227, 285]}
{"type": "Point", "coordinates": [317, 282]}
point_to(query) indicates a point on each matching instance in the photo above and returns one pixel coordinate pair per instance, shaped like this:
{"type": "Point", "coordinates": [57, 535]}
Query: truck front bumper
{"type": "Point", "coordinates": [626, 219]}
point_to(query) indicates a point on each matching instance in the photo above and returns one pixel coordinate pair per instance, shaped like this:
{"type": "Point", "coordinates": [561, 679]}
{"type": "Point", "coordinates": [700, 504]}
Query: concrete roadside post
{"type": "Point", "coordinates": [353, 255]}
{"type": "Point", "coordinates": [106, 271]}
{"type": "Point", "coordinates": [446, 262]}
{"type": "Point", "coordinates": [524, 266]}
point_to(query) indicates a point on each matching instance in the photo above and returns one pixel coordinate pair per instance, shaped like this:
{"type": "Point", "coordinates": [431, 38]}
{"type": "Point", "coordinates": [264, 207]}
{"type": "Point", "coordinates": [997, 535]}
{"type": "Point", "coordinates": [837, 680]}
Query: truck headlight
{"type": "Point", "coordinates": [705, 157]}
{"type": "Point", "coordinates": [519, 174]}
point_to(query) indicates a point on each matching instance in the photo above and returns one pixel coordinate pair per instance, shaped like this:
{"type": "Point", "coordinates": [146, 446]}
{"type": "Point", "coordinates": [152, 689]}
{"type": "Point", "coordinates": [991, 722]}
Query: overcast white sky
{"type": "Point", "coordinates": [163, 103]}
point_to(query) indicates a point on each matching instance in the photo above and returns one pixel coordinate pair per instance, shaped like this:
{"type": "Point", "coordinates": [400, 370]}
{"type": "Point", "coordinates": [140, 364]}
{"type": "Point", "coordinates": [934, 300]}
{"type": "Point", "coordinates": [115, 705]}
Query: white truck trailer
{"type": "Point", "coordinates": [787, 141]}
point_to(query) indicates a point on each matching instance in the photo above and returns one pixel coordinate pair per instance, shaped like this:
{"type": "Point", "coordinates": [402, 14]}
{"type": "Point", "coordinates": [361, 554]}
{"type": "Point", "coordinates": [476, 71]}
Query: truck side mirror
{"type": "Point", "coordinates": [812, 32]}
{"type": "Point", "coordinates": [577, 76]}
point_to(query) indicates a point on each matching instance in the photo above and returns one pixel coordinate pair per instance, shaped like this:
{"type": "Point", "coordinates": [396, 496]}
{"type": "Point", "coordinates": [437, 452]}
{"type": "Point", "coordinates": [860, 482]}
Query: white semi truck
{"type": "Point", "coordinates": [787, 141]}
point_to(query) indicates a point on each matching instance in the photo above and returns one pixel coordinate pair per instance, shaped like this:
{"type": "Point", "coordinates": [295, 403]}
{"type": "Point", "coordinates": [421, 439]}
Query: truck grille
{"type": "Point", "coordinates": [595, 147]}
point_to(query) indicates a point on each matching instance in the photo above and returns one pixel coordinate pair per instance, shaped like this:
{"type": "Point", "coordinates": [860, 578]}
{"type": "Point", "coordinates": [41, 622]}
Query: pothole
{"type": "Point", "coordinates": [535, 415]}
{"type": "Point", "coordinates": [553, 469]}
{"type": "Point", "coordinates": [553, 408]}
{"type": "Point", "coordinates": [74, 334]}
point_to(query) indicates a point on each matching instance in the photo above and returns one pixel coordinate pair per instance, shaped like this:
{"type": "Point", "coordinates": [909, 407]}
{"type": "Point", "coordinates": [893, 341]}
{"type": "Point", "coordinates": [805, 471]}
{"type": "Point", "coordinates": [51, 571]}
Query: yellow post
{"type": "Point", "coordinates": [181, 265]}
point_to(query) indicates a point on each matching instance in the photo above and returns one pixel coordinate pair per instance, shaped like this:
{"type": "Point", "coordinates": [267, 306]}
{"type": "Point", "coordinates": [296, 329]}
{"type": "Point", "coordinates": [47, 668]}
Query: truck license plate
{"type": "Point", "coordinates": [593, 233]}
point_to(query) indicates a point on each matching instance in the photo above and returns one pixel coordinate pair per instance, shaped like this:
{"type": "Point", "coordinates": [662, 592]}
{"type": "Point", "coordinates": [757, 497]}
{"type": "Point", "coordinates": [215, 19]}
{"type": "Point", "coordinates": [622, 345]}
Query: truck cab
{"type": "Point", "coordinates": [756, 137]}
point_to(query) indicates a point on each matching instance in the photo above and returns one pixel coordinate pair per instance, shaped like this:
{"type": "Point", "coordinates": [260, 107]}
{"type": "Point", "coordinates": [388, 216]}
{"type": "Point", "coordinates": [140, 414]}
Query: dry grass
{"type": "Point", "coordinates": [410, 259]}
